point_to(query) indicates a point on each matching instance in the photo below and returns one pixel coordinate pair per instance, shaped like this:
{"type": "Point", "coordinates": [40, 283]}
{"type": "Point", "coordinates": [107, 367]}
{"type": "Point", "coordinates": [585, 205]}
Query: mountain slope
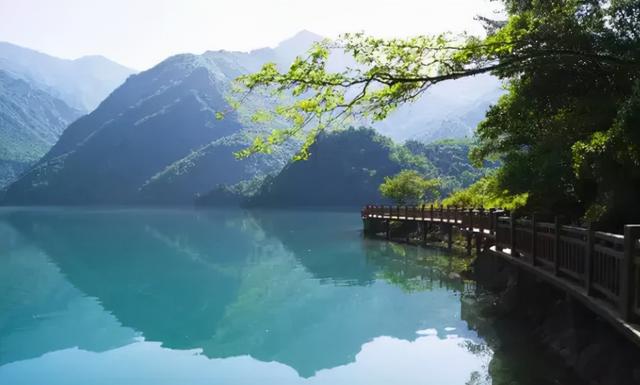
{"type": "Point", "coordinates": [345, 169]}
{"type": "Point", "coordinates": [31, 121]}
{"type": "Point", "coordinates": [448, 110]}
{"type": "Point", "coordinates": [145, 125]}
{"type": "Point", "coordinates": [213, 164]}
{"type": "Point", "coordinates": [82, 83]}
{"type": "Point", "coordinates": [128, 149]}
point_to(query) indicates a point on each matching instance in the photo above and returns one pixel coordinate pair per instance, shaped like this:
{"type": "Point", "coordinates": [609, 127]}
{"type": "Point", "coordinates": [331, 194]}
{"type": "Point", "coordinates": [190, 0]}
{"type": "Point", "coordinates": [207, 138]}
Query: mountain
{"type": "Point", "coordinates": [40, 96]}
{"type": "Point", "coordinates": [448, 110]}
{"type": "Point", "coordinates": [31, 121]}
{"type": "Point", "coordinates": [345, 169]}
{"type": "Point", "coordinates": [450, 160]}
{"type": "Point", "coordinates": [213, 164]}
{"type": "Point", "coordinates": [82, 83]}
{"type": "Point", "coordinates": [155, 139]}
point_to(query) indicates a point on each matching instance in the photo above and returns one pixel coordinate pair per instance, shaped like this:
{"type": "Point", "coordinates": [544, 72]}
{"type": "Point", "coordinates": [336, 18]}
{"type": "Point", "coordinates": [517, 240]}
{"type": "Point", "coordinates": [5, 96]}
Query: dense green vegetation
{"type": "Point", "coordinates": [345, 169]}
{"type": "Point", "coordinates": [566, 130]}
{"type": "Point", "coordinates": [451, 165]}
{"type": "Point", "coordinates": [488, 193]}
{"type": "Point", "coordinates": [409, 187]}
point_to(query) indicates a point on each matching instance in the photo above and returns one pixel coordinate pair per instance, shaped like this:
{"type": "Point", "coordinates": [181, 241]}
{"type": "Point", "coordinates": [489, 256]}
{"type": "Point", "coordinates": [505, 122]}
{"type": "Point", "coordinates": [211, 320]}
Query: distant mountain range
{"type": "Point", "coordinates": [31, 121]}
{"type": "Point", "coordinates": [448, 110]}
{"type": "Point", "coordinates": [40, 96]}
{"type": "Point", "coordinates": [155, 138]}
{"type": "Point", "coordinates": [82, 83]}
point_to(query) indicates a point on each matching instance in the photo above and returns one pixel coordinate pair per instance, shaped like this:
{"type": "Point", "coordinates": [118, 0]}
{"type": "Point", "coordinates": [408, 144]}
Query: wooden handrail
{"type": "Point", "coordinates": [605, 265]}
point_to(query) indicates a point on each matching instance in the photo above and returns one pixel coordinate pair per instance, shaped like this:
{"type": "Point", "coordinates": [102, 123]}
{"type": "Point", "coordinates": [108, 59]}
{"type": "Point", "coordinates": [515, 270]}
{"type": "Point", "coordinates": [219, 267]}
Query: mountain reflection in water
{"type": "Point", "coordinates": [146, 296]}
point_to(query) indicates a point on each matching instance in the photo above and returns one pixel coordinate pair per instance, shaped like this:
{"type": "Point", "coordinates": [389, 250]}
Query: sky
{"type": "Point", "coordinates": [141, 33]}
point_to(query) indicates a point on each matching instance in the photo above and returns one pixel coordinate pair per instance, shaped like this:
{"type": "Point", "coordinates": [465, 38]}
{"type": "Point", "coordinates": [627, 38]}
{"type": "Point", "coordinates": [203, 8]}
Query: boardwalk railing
{"type": "Point", "coordinates": [602, 265]}
{"type": "Point", "coordinates": [480, 219]}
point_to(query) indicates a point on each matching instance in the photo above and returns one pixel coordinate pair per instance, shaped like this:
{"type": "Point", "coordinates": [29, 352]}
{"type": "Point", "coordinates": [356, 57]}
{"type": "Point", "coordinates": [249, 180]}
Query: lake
{"type": "Point", "coordinates": [186, 296]}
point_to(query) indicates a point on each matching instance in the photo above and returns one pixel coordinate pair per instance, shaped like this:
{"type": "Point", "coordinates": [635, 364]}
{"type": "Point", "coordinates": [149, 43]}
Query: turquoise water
{"type": "Point", "coordinates": [91, 296]}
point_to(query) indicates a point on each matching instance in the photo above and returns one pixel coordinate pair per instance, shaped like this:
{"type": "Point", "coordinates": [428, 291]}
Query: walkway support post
{"type": "Point", "coordinates": [449, 236]}
{"type": "Point", "coordinates": [424, 232]}
{"type": "Point", "coordinates": [631, 235]}
{"type": "Point", "coordinates": [388, 223]}
{"type": "Point", "coordinates": [470, 232]}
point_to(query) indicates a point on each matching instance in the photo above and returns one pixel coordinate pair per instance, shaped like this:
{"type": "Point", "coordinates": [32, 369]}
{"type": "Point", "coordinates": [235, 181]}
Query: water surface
{"type": "Point", "coordinates": [145, 296]}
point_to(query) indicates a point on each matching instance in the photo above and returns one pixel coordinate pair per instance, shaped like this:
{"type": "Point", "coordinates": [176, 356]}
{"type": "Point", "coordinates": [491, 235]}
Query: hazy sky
{"type": "Point", "coordinates": [140, 33]}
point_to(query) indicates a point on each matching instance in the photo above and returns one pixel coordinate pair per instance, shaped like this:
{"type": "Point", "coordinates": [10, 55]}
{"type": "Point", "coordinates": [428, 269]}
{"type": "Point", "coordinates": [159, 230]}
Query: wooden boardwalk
{"type": "Point", "coordinates": [602, 270]}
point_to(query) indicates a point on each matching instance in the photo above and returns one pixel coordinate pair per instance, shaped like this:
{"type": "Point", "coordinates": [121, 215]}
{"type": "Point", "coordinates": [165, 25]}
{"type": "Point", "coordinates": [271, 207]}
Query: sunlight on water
{"type": "Point", "coordinates": [228, 297]}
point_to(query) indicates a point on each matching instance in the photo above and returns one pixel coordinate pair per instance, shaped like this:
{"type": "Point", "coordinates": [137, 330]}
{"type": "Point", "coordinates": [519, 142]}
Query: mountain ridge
{"type": "Point", "coordinates": [82, 83]}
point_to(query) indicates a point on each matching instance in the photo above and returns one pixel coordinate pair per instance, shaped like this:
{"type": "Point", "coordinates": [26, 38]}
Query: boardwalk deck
{"type": "Point", "coordinates": [602, 270]}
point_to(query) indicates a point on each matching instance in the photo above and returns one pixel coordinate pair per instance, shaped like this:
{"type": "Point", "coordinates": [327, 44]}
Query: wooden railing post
{"type": "Point", "coordinates": [556, 246]}
{"type": "Point", "coordinates": [588, 260]}
{"type": "Point", "coordinates": [481, 223]}
{"type": "Point", "coordinates": [441, 212]}
{"type": "Point", "coordinates": [627, 284]}
{"type": "Point", "coordinates": [406, 213]}
{"type": "Point", "coordinates": [512, 228]}
{"type": "Point", "coordinates": [498, 231]}
{"type": "Point", "coordinates": [534, 234]}
{"type": "Point", "coordinates": [470, 228]}
{"type": "Point", "coordinates": [398, 212]}
{"type": "Point", "coordinates": [492, 221]}
{"type": "Point", "coordinates": [431, 212]}
{"type": "Point", "coordinates": [422, 212]}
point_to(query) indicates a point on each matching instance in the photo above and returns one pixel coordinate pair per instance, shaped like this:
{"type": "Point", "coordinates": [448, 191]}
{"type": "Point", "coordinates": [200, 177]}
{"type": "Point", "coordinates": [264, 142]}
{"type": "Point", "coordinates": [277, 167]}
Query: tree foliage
{"type": "Point", "coordinates": [487, 193]}
{"type": "Point", "coordinates": [567, 130]}
{"type": "Point", "coordinates": [408, 186]}
{"type": "Point", "coordinates": [450, 162]}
